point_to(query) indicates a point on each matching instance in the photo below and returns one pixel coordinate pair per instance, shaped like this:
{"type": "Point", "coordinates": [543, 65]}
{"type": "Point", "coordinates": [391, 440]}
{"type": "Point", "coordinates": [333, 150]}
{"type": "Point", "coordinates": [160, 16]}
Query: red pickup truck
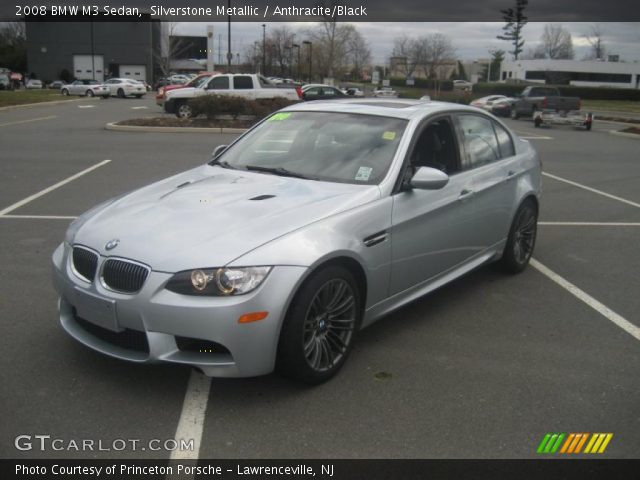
{"type": "Point", "coordinates": [194, 82]}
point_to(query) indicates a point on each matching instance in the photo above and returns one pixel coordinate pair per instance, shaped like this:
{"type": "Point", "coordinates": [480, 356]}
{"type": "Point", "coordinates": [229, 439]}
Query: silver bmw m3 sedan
{"type": "Point", "coordinates": [315, 223]}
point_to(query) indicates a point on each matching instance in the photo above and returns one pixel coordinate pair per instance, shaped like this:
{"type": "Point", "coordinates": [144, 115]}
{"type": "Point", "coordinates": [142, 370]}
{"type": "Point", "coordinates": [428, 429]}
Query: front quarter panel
{"type": "Point", "coordinates": [341, 235]}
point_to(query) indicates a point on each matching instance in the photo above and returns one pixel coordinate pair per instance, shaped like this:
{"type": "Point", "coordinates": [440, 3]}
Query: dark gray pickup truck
{"type": "Point", "coordinates": [533, 99]}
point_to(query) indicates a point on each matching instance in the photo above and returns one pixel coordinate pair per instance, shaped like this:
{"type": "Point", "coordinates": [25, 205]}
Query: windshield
{"type": "Point", "coordinates": [198, 82]}
{"type": "Point", "coordinates": [335, 147]}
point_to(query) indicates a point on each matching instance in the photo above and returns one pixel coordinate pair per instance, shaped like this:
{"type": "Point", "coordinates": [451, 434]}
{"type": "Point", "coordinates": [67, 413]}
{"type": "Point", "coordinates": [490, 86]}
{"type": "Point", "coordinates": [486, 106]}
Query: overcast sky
{"type": "Point", "coordinates": [471, 40]}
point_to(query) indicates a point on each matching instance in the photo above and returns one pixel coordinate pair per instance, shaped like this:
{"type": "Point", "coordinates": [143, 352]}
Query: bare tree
{"type": "Point", "coordinates": [407, 52]}
{"type": "Point", "coordinates": [556, 42]}
{"type": "Point", "coordinates": [594, 37]}
{"type": "Point", "coordinates": [515, 21]}
{"type": "Point", "coordinates": [170, 47]}
{"type": "Point", "coordinates": [13, 46]}
{"type": "Point", "coordinates": [278, 50]}
{"type": "Point", "coordinates": [359, 53]}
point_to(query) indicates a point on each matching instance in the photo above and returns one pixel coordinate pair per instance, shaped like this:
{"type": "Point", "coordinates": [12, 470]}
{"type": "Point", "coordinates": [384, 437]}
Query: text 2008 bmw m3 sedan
{"type": "Point", "coordinates": [317, 222]}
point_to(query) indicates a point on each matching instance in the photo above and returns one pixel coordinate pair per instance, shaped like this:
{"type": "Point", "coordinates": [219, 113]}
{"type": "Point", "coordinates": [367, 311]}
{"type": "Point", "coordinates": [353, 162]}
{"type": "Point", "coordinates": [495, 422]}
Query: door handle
{"type": "Point", "coordinates": [465, 194]}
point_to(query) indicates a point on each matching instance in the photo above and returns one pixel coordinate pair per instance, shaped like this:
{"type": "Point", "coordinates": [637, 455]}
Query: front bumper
{"type": "Point", "coordinates": [157, 325]}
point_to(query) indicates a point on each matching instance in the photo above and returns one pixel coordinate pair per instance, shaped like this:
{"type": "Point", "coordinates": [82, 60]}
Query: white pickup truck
{"type": "Point", "coordinates": [250, 86]}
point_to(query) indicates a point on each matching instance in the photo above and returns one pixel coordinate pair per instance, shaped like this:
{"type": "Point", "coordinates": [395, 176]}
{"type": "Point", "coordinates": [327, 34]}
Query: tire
{"type": "Point", "coordinates": [184, 110]}
{"type": "Point", "coordinates": [65, 92]}
{"type": "Point", "coordinates": [121, 93]}
{"type": "Point", "coordinates": [522, 238]}
{"type": "Point", "coordinates": [89, 93]}
{"type": "Point", "coordinates": [138, 96]}
{"type": "Point", "coordinates": [514, 114]}
{"type": "Point", "coordinates": [320, 326]}
{"type": "Point", "coordinates": [588, 126]}
{"type": "Point", "coordinates": [537, 122]}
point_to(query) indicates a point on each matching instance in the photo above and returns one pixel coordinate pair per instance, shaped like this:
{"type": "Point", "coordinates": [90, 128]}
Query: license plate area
{"type": "Point", "coordinates": [97, 310]}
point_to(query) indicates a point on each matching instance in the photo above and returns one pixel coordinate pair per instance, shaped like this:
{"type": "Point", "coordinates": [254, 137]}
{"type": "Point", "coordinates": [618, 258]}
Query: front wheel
{"type": "Point", "coordinates": [522, 238]}
{"type": "Point", "coordinates": [184, 110]}
{"type": "Point", "coordinates": [121, 93]}
{"type": "Point", "coordinates": [514, 114]}
{"type": "Point", "coordinates": [89, 93]}
{"type": "Point", "coordinates": [320, 326]}
{"type": "Point", "coordinates": [65, 92]}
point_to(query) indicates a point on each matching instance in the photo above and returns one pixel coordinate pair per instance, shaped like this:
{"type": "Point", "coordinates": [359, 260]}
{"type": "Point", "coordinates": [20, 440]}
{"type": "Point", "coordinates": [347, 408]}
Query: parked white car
{"type": "Point", "coordinates": [33, 84]}
{"type": "Point", "coordinates": [486, 103]}
{"type": "Point", "coordinates": [125, 87]}
{"type": "Point", "coordinates": [462, 85]}
{"type": "Point", "coordinates": [385, 92]}
{"type": "Point", "coordinates": [249, 86]}
{"type": "Point", "coordinates": [88, 88]}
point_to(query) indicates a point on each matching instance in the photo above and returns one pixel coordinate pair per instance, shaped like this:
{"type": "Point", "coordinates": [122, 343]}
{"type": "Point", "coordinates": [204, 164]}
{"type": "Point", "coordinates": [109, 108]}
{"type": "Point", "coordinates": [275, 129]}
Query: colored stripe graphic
{"type": "Point", "coordinates": [572, 443]}
{"type": "Point", "coordinates": [598, 442]}
{"type": "Point", "coordinates": [550, 443]}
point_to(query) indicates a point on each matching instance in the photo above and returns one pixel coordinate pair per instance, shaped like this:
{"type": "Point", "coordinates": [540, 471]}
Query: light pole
{"type": "Point", "coordinates": [229, 54]}
{"type": "Point", "coordinates": [295, 45]}
{"type": "Point", "coordinates": [264, 48]}
{"type": "Point", "coordinates": [307, 42]}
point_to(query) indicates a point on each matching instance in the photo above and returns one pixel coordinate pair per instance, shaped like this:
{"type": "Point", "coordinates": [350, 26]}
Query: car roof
{"type": "Point", "coordinates": [396, 107]}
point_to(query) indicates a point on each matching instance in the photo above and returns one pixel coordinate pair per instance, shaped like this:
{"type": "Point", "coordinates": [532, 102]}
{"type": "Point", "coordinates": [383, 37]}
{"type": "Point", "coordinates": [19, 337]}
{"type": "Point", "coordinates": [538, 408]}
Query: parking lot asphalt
{"type": "Point", "coordinates": [482, 368]}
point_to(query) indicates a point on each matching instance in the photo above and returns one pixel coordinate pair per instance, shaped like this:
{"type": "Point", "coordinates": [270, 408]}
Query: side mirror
{"type": "Point", "coordinates": [427, 178]}
{"type": "Point", "coordinates": [218, 150]}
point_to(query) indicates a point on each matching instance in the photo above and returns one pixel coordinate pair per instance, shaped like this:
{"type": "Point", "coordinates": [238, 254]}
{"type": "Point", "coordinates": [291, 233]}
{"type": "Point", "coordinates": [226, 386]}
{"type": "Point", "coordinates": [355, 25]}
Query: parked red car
{"type": "Point", "coordinates": [195, 82]}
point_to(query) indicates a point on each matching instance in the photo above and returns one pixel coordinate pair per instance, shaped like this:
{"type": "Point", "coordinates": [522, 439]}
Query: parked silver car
{"type": "Point", "coordinates": [317, 222]}
{"type": "Point", "coordinates": [88, 88]}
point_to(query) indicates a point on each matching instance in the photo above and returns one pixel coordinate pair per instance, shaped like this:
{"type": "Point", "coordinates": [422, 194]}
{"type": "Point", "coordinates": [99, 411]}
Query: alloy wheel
{"type": "Point", "coordinates": [329, 324]}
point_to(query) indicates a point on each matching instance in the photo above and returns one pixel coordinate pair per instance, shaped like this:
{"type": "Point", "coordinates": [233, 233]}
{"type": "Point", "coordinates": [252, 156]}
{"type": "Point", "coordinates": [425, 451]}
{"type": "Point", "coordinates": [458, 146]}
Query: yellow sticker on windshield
{"type": "Point", "coordinates": [279, 116]}
{"type": "Point", "coordinates": [389, 135]}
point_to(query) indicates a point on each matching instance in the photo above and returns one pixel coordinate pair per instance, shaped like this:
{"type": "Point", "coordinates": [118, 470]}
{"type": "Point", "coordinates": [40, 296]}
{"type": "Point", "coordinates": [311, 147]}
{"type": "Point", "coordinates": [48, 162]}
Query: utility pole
{"type": "Point", "coordinates": [229, 54]}
{"type": "Point", "coordinates": [264, 48]}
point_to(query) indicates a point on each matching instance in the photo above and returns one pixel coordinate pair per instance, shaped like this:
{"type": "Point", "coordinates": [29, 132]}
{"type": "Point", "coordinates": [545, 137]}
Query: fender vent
{"type": "Point", "coordinates": [262, 197]}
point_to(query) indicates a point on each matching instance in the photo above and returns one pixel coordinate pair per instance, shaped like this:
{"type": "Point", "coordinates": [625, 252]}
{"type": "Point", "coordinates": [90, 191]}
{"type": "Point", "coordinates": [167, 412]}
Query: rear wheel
{"type": "Point", "coordinates": [537, 121]}
{"type": "Point", "coordinates": [65, 92]}
{"type": "Point", "coordinates": [121, 93]}
{"type": "Point", "coordinates": [138, 96]}
{"type": "Point", "coordinates": [89, 93]}
{"type": "Point", "coordinates": [514, 114]}
{"type": "Point", "coordinates": [588, 127]}
{"type": "Point", "coordinates": [320, 326]}
{"type": "Point", "coordinates": [522, 238]}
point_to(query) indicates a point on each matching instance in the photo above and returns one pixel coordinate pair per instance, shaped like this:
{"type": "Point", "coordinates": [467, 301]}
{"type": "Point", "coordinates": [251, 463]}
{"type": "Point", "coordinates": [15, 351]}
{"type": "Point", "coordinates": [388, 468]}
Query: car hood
{"type": "Point", "coordinates": [210, 216]}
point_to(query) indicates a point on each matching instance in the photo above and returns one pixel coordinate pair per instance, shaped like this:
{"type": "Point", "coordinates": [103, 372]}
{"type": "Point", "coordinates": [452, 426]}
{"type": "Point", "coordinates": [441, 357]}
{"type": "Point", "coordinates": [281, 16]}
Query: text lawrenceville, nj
{"type": "Point", "coordinates": [251, 11]}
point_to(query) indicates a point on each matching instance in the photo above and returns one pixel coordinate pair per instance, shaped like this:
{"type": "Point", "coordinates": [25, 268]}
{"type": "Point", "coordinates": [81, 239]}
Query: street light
{"type": "Point", "coordinates": [295, 45]}
{"type": "Point", "coordinates": [307, 42]}
{"type": "Point", "coordinates": [264, 44]}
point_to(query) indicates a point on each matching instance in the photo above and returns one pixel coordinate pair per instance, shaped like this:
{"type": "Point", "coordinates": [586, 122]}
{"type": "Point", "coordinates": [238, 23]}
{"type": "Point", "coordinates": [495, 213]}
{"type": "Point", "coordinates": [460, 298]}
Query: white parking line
{"type": "Point", "coordinates": [593, 190]}
{"type": "Point", "coordinates": [192, 416]}
{"type": "Point", "coordinates": [592, 224]}
{"type": "Point", "coordinates": [536, 138]}
{"type": "Point", "coordinates": [602, 309]}
{"type": "Point", "coordinates": [18, 122]}
{"type": "Point", "coordinates": [139, 108]}
{"type": "Point", "coordinates": [39, 217]}
{"type": "Point", "coordinates": [19, 204]}
{"type": "Point", "coordinates": [86, 106]}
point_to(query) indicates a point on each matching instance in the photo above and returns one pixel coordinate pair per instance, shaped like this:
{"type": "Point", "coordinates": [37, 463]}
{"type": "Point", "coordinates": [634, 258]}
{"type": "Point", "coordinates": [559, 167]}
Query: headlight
{"type": "Point", "coordinates": [218, 281]}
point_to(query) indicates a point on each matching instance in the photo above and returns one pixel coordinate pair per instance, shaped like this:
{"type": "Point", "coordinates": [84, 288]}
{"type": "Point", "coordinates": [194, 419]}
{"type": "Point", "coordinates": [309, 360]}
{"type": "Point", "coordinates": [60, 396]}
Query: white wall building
{"type": "Point", "coordinates": [572, 72]}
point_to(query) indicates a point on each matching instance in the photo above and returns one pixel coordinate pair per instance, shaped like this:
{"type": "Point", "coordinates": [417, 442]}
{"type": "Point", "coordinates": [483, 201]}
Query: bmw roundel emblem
{"type": "Point", "coordinates": [111, 244]}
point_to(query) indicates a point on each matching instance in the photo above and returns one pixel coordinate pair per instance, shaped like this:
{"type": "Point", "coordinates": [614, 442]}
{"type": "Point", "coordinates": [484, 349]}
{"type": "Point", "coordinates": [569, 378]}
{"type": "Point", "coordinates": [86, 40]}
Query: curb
{"type": "Point", "coordinates": [134, 128]}
{"type": "Point", "coordinates": [54, 102]}
{"type": "Point", "coordinates": [624, 134]}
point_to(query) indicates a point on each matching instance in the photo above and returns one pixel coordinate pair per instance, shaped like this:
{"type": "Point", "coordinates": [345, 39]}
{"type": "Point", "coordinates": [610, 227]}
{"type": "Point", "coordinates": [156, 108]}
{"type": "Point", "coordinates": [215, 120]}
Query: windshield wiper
{"type": "Point", "coordinates": [283, 172]}
{"type": "Point", "coordinates": [222, 163]}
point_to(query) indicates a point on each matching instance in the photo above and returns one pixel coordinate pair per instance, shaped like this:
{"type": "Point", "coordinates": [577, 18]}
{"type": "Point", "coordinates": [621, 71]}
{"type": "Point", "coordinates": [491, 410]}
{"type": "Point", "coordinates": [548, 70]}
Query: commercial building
{"type": "Point", "coordinates": [96, 50]}
{"type": "Point", "coordinates": [573, 72]}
